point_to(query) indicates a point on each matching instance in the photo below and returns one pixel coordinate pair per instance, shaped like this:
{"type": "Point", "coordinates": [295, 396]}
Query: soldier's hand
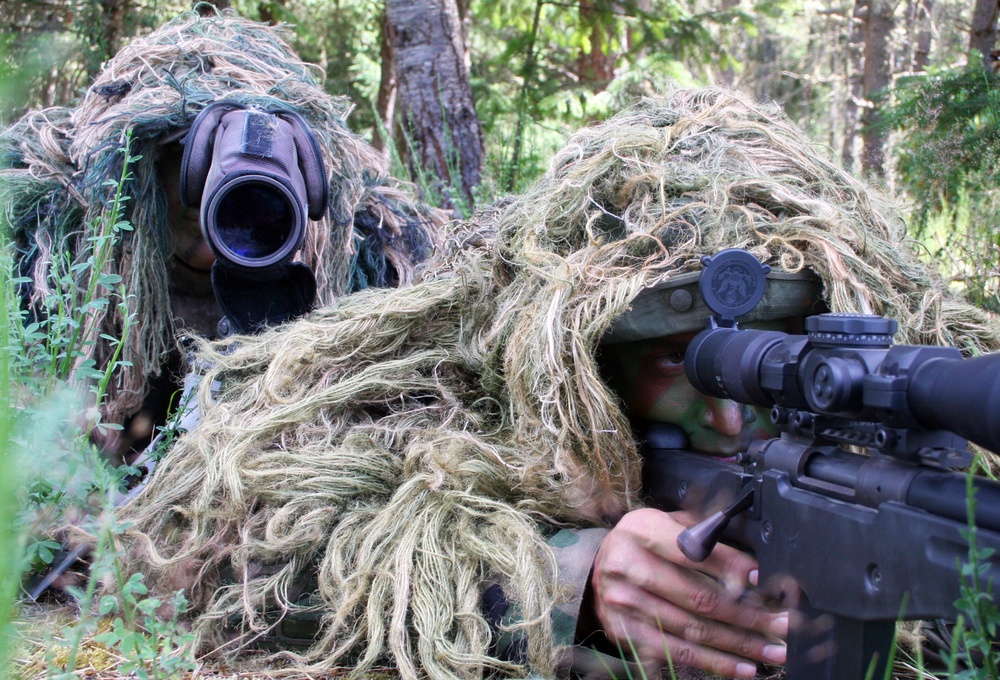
{"type": "Point", "coordinates": [649, 598]}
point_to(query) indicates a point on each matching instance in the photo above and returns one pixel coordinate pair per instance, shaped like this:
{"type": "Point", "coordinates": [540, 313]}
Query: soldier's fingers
{"type": "Point", "coordinates": [657, 532]}
{"type": "Point", "coordinates": [653, 645]}
{"type": "Point", "coordinates": [696, 608]}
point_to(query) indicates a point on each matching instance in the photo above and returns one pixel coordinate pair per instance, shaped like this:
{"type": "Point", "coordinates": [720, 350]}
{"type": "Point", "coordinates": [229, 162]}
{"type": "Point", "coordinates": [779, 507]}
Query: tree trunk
{"type": "Point", "coordinates": [204, 10]}
{"type": "Point", "coordinates": [874, 81]}
{"type": "Point", "coordinates": [728, 75]}
{"type": "Point", "coordinates": [102, 25]}
{"type": "Point", "coordinates": [766, 57]}
{"type": "Point", "coordinates": [385, 104]}
{"type": "Point", "coordinates": [595, 66]}
{"type": "Point", "coordinates": [983, 32]}
{"type": "Point", "coordinates": [855, 92]}
{"type": "Point", "coordinates": [113, 24]}
{"type": "Point", "coordinates": [465, 21]}
{"type": "Point", "coordinates": [442, 139]}
{"type": "Point", "coordinates": [922, 35]}
{"type": "Point", "coordinates": [270, 11]}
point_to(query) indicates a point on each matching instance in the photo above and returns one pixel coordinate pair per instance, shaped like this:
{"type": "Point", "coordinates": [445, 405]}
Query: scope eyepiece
{"type": "Point", "coordinates": [726, 363]}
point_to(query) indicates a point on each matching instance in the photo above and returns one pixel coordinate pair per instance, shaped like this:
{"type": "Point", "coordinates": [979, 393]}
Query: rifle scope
{"type": "Point", "coordinates": [845, 368]}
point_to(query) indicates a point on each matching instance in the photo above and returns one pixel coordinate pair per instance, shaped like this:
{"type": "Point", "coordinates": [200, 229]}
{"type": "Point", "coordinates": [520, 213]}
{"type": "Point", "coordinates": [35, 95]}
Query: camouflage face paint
{"type": "Point", "coordinates": [185, 238]}
{"type": "Point", "coordinates": [649, 377]}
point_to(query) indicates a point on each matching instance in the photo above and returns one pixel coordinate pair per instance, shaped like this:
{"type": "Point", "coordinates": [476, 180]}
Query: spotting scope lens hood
{"type": "Point", "coordinates": [258, 176]}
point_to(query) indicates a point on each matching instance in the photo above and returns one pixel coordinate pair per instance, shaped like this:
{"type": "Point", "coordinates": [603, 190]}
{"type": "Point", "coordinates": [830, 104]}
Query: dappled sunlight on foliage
{"type": "Point", "coordinates": [948, 161]}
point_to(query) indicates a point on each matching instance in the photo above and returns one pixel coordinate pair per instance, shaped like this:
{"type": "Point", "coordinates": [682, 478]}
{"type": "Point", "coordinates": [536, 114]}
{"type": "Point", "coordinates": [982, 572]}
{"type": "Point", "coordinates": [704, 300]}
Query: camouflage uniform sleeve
{"type": "Point", "coordinates": [574, 550]}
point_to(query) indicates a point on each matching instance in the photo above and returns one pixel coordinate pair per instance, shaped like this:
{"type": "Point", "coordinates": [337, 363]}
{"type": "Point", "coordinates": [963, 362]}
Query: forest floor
{"type": "Point", "coordinates": [43, 647]}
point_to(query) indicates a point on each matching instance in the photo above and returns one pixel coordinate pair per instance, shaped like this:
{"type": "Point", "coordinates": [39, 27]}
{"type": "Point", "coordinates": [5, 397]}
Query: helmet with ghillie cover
{"type": "Point", "coordinates": [406, 445]}
{"type": "Point", "coordinates": [60, 166]}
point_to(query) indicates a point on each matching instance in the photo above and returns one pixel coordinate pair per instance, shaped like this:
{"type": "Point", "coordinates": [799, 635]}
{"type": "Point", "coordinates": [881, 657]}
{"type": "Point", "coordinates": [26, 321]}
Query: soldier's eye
{"type": "Point", "coordinates": [671, 359]}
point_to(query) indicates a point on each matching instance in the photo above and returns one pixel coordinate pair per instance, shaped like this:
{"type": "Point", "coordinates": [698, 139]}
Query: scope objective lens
{"type": "Point", "coordinates": [253, 220]}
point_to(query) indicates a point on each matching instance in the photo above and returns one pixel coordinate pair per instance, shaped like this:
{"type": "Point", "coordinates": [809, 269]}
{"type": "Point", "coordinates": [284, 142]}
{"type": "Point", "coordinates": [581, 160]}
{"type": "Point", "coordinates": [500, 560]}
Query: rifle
{"type": "Point", "coordinates": [851, 542]}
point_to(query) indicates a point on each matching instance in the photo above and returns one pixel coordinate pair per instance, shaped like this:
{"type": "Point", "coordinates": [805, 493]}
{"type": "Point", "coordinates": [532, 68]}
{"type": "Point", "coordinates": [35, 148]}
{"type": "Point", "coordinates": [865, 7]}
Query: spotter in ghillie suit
{"type": "Point", "coordinates": [411, 449]}
{"type": "Point", "coordinates": [57, 164]}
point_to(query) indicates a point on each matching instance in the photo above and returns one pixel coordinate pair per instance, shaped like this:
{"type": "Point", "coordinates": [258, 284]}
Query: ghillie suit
{"type": "Point", "coordinates": [407, 446]}
{"type": "Point", "coordinates": [58, 162]}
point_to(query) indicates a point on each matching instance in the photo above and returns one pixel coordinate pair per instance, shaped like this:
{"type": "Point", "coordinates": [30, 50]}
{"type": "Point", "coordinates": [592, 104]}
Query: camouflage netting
{"type": "Point", "coordinates": [57, 163]}
{"type": "Point", "coordinates": [407, 444]}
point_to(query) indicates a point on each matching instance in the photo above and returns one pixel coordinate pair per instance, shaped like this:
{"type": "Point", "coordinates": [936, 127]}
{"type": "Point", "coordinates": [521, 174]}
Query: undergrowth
{"type": "Point", "coordinates": [55, 483]}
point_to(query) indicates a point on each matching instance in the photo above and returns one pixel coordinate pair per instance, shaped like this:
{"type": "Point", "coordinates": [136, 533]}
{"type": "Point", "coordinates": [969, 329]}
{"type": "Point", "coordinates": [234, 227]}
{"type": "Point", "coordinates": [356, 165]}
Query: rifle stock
{"type": "Point", "coordinates": [838, 537]}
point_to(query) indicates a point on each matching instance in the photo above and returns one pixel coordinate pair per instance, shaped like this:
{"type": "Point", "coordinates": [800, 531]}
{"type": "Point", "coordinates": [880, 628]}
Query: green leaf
{"type": "Point", "coordinates": [108, 638]}
{"type": "Point", "coordinates": [109, 280]}
{"type": "Point", "coordinates": [135, 586]}
{"type": "Point", "coordinates": [108, 605]}
{"type": "Point", "coordinates": [45, 553]}
{"type": "Point", "coordinates": [149, 605]}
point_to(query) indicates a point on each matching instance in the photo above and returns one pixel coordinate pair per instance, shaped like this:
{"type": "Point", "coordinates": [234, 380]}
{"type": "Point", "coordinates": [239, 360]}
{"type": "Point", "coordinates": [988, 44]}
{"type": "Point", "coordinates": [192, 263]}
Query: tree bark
{"type": "Point", "coordinates": [923, 35]}
{"type": "Point", "coordinates": [219, 4]}
{"type": "Point", "coordinates": [874, 80]}
{"type": "Point", "coordinates": [102, 25]}
{"type": "Point", "coordinates": [268, 11]}
{"type": "Point", "coordinates": [595, 66]}
{"type": "Point", "coordinates": [442, 138]}
{"type": "Point", "coordinates": [385, 104]}
{"type": "Point", "coordinates": [855, 91]}
{"type": "Point", "coordinates": [465, 21]}
{"type": "Point", "coordinates": [113, 28]}
{"type": "Point", "coordinates": [728, 75]}
{"type": "Point", "coordinates": [983, 32]}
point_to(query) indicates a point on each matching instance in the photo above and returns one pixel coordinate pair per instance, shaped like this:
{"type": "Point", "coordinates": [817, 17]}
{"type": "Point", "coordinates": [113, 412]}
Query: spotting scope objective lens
{"type": "Point", "coordinates": [254, 221]}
